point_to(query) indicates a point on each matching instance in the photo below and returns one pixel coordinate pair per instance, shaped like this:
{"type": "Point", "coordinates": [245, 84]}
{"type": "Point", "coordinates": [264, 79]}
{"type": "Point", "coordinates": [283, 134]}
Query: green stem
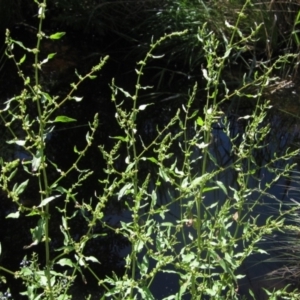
{"type": "Point", "coordinates": [42, 146]}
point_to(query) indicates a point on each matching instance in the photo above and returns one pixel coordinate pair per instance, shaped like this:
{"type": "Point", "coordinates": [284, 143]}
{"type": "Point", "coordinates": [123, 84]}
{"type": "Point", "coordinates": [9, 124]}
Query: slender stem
{"type": "Point", "coordinates": [42, 146]}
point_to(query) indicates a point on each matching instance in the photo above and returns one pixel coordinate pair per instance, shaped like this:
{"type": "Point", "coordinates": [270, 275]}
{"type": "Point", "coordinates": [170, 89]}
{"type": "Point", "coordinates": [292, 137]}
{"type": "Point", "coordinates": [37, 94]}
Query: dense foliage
{"type": "Point", "coordinates": [163, 173]}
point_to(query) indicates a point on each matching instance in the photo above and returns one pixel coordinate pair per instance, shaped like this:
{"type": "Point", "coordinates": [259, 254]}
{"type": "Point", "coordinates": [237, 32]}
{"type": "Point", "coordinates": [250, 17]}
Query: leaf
{"type": "Point", "coordinates": [51, 55]}
{"type": "Point", "coordinates": [37, 234]}
{"type": "Point", "coordinates": [57, 35]}
{"type": "Point", "coordinates": [202, 145]}
{"type": "Point", "coordinates": [47, 96]}
{"type": "Point", "coordinates": [164, 175]}
{"type": "Point", "coordinates": [200, 121]}
{"type": "Point", "coordinates": [228, 25]}
{"type": "Point", "coordinates": [20, 44]}
{"type": "Point", "coordinates": [157, 56]}
{"type": "Point", "coordinates": [47, 200]}
{"type": "Point", "coordinates": [262, 251]}
{"type": "Point", "coordinates": [124, 190]}
{"type": "Point", "coordinates": [152, 159]}
{"type": "Point", "coordinates": [208, 189]}
{"type": "Point", "coordinates": [22, 59]}
{"type": "Point", "coordinates": [144, 265]}
{"type": "Point", "coordinates": [244, 118]}
{"type": "Point", "coordinates": [122, 138]}
{"type": "Point", "coordinates": [64, 119]}
{"type": "Point", "coordinates": [15, 215]}
{"type": "Point", "coordinates": [77, 99]}
{"type": "Point", "coordinates": [65, 262]}
{"type": "Point", "coordinates": [198, 181]}
{"type": "Point", "coordinates": [153, 198]}
{"type": "Point", "coordinates": [18, 142]}
{"type": "Point", "coordinates": [130, 166]}
{"type": "Point", "coordinates": [20, 189]}
{"type": "Point", "coordinates": [143, 106]}
{"type": "Point", "coordinates": [126, 94]}
{"type": "Point", "coordinates": [188, 257]}
{"type": "Point", "coordinates": [235, 216]}
{"type": "Point", "coordinates": [93, 259]}
{"type": "Point", "coordinates": [222, 186]}
{"type": "Point", "coordinates": [36, 161]}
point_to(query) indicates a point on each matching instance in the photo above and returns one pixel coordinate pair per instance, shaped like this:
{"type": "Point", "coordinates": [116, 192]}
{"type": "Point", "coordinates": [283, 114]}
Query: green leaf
{"type": "Point", "coordinates": [188, 257]}
{"type": "Point", "coordinates": [208, 189]}
{"type": "Point", "coordinates": [15, 215]}
{"type": "Point", "coordinates": [36, 161]}
{"type": "Point", "coordinates": [152, 159]}
{"type": "Point", "coordinates": [47, 200]}
{"type": "Point", "coordinates": [57, 35]}
{"type": "Point", "coordinates": [153, 198]}
{"type": "Point", "coordinates": [37, 234]}
{"type": "Point", "coordinates": [20, 189]}
{"type": "Point", "coordinates": [93, 259]}
{"type": "Point", "coordinates": [18, 142]}
{"type": "Point", "coordinates": [164, 175]}
{"type": "Point", "coordinates": [222, 186]}
{"type": "Point", "coordinates": [46, 96]}
{"type": "Point", "coordinates": [20, 44]}
{"type": "Point", "coordinates": [126, 94]}
{"type": "Point", "coordinates": [22, 59]}
{"type": "Point", "coordinates": [200, 121]}
{"type": "Point", "coordinates": [124, 190]}
{"type": "Point", "coordinates": [64, 119]}
{"type": "Point", "coordinates": [122, 138]}
{"type": "Point", "coordinates": [26, 272]}
{"type": "Point", "coordinates": [12, 174]}
{"type": "Point", "coordinates": [130, 166]}
{"type": "Point", "coordinates": [198, 181]}
{"type": "Point", "coordinates": [144, 265]}
{"type": "Point", "coordinates": [65, 262]}
{"type": "Point", "coordinates": [51, 55]}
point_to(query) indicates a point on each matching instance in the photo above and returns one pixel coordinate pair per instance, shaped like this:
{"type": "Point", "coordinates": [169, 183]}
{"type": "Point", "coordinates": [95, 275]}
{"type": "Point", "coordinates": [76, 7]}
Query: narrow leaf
{"type": "Point", "coordinates": [15, 215]}
{"type": "Point", "coordinates": [93, 259]}
{"type": "Point", "coordinates": [51, 55]}
{"type": "Point", "coordinates": [64, 119]}
{"type": "Point", "coordinates": [18, 142]}
{"type": "Point", "coordinates": [77, 99]}
{"type": "Point", "coordinates": [22, 59]}
{"type": "Point", "coordinates": [20, 189]}
{"type": "Point", "coordinates": [47, 200]}
{"type": "Point", "coordinates": [57, 35]}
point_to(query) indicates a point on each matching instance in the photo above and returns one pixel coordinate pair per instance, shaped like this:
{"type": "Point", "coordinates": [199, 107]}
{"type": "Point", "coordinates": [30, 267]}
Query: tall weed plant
{"type": "Point", "coordinates": [208, 242]}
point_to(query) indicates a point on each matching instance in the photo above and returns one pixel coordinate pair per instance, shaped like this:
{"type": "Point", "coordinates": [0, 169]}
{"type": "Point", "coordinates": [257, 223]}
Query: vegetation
{"type": "Point", "coordinates": [189, 188]}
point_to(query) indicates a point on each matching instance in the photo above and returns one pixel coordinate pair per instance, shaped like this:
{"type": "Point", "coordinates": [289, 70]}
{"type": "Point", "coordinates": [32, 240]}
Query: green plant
{"type": "Point", "coordinates": [210, 239]}
{"type": "Point", "coordinates": [31, 135]}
